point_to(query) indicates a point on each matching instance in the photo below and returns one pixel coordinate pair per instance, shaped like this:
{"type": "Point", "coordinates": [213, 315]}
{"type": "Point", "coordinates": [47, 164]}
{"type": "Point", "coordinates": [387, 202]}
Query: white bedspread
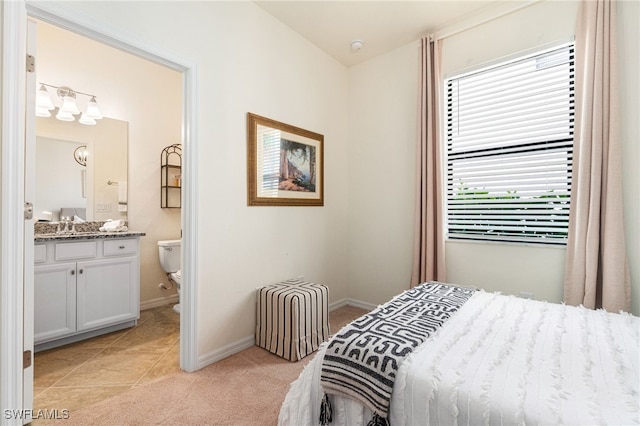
{"type": "Point", "coordinates": [503, 360]}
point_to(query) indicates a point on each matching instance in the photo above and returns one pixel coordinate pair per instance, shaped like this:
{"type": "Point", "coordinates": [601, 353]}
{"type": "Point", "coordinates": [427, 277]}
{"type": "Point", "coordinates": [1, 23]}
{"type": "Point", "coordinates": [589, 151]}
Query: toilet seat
{"type": "Point", "coordinates": [176, 277]}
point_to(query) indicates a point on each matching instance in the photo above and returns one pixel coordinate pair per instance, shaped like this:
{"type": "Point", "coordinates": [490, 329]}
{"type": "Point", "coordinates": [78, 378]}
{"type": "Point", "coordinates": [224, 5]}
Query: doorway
{"type": "Point", "coordinates": [13, 319]}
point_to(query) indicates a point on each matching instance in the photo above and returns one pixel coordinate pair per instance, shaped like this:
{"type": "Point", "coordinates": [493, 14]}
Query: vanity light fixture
{"type": "Point", "coordinates": [68, 108]}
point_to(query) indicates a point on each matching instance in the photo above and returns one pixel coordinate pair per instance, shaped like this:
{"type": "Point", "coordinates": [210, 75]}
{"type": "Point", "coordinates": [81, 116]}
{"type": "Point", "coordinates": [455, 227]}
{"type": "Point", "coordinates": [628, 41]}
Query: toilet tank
{"type": "Point", "coordinates": [169, 253]}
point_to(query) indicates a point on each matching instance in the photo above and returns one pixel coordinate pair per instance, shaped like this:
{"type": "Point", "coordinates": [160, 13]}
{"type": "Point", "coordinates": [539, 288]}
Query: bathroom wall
{"type": "Point", "coordinates": [149, 98]}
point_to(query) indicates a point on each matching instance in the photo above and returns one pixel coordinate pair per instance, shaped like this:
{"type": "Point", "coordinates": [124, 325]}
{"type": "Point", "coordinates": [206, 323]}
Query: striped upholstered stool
{"type": "Point", "coordinates": [292, 318]}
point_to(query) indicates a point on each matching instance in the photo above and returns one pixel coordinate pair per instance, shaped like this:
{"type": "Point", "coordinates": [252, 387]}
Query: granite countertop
{"type": "Point", "coordinates": [91, 235]}
{"type": "Point", "coordinates": [89, 230]}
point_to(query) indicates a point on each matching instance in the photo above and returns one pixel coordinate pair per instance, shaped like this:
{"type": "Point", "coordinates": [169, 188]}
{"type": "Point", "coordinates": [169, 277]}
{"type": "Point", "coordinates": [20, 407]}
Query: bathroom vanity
{"type": "Point", "coordinates": [85, 284]}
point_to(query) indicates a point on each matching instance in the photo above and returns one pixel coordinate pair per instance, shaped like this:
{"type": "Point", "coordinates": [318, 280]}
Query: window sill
{"type": "Point", "coordinates": [505, 243]}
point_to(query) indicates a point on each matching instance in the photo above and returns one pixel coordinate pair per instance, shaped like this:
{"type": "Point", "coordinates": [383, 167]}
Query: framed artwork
{"type": "Point", "coordinates": [285, 164]}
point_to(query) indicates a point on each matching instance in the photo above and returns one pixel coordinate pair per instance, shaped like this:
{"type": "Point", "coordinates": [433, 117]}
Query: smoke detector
{"type": "Point", "coordinates": [356, 45]}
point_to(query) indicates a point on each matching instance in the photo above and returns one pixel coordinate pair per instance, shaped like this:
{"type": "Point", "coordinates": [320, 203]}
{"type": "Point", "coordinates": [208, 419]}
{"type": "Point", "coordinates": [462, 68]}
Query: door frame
{"type": "Point", "coordinates": [12, 221]}
{"type": "Point", "coordinates": [12, 309]}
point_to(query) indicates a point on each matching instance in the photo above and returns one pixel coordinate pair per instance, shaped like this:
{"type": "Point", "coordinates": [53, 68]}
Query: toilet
{"type": "Point", "coordinates": [169, 253]}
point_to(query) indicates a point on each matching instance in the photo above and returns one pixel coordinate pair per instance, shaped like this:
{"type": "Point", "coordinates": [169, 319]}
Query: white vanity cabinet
{"type": "Point", "coordinates": [54, 301]}
{"type": "Point", "coordinates": [83, 288]}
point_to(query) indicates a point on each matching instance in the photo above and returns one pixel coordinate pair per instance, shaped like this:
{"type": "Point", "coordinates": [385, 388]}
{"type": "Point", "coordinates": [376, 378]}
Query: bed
{"type": "Point", "coordinates": [496, 359]}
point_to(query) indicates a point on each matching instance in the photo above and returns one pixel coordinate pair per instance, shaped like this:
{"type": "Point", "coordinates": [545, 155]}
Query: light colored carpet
{"type": "Point", "coordinates": [247, 388]}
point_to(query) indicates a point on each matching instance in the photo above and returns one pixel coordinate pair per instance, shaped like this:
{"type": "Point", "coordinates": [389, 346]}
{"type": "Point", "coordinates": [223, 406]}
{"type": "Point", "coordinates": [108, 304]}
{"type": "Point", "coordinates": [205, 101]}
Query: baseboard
{"type": "Point", "coordinates": [351, 302]}
{"type": "Point", "coordinates": [250, 341]}
{"type": "Point", "coordinates": [82, 336]}
{"type": "Point", "coordinates": [226, 351]}
{"type": "Point", "coordinates": [338, 304]}
{"type": "Point", "coordinates": [159, 301]}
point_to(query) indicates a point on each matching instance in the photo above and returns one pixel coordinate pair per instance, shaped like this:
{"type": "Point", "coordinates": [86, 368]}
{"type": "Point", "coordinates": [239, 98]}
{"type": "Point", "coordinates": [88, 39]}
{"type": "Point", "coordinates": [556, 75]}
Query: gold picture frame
{"type": "Point", "coordinates": [285, 164]}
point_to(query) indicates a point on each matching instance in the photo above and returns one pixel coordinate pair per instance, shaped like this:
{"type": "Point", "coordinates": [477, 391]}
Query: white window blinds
{"type": "Point", "coordinates": [509, 135]}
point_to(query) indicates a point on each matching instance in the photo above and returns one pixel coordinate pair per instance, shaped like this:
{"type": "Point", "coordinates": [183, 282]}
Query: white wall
{"type": "Point", "coordinates": [148, 97]}
{"type": "Point", "coordinates": [629, 65]}
{"type": "Point", "coordinates": [249, 62]}
{"type": "Point", "coordinates": [383, 130]}
{"type": "Point", "coordinates": [382, 146]}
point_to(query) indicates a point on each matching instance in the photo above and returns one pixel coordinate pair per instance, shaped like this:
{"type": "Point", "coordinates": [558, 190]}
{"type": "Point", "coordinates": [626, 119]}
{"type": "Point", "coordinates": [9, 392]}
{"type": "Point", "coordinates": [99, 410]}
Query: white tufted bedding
{"type": "Point", "coordinates": [502, 360]}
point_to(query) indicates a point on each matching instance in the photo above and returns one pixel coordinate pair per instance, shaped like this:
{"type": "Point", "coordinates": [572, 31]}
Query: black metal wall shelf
{"type": "Point", "coordinates": [171, 177]}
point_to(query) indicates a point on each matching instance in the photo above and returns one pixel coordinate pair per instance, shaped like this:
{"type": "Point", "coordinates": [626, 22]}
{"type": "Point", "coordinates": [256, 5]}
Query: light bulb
{"type": "Point", "coordinates": [64, 116]}
{"type": "Point", "coordinates": [43, 99]}
{"type": "Point", "coordinates": [86, 119]}
{"type": "Point", "coordinates": [42, 112]}
{"type": "Point", "coordinates": [92, 109]}
{"type": "Point", "coordinates": [69, 105]}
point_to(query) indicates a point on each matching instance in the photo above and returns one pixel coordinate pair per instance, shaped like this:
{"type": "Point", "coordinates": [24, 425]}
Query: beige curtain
{"type": "Point", "coordinates": [428, 262]}
{"type": "Point", "coordinates": [596, 272]}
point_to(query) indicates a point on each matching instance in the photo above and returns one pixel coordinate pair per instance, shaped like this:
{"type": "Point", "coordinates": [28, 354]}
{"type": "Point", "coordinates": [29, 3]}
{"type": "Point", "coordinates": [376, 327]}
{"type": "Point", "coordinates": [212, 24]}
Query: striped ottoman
{"type": "Point", "coordinates": [292, 318]}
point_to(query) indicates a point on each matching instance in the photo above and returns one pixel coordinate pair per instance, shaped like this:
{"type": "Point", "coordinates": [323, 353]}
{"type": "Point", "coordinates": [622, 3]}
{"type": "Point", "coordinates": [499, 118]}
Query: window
{"type": "Point", "coordinates": [509, 150]}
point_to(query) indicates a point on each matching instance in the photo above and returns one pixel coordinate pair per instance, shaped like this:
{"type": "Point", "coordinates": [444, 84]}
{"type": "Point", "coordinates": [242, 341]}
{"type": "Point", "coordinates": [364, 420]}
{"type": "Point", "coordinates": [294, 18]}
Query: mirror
{"type": "Point", "coordinates": [64, 187]}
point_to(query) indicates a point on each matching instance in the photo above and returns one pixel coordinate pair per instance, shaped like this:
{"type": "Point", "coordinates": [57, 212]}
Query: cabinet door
{"type": "Point", "coordinates": [54, 301]}
{"type": "Point", "coordinates": [107, 292]}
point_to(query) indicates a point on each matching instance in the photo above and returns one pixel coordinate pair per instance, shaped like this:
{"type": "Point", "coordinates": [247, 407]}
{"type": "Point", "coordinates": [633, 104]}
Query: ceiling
{"type": "Point", "coordinates": [382, 25]}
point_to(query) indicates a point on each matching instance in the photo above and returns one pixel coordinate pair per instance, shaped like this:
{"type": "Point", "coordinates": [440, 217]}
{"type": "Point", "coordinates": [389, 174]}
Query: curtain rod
{"type": "Point", "coordinates": [482, 18]}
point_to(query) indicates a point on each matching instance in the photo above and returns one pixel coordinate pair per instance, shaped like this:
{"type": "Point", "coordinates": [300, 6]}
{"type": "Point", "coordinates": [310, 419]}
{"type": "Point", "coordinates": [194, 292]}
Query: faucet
{"type": "Point", "coordinates": [66, 229]}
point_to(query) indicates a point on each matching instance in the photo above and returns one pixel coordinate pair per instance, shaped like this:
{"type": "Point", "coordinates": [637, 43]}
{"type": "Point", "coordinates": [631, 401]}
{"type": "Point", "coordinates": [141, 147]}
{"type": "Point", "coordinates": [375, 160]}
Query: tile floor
{"type": "Point", "coordinates": [80, 374]}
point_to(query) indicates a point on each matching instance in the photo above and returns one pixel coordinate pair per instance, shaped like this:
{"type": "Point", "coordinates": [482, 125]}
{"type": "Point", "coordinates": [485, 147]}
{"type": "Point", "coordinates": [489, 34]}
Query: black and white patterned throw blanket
{"type": "Point", "coordinates": [361, 361]}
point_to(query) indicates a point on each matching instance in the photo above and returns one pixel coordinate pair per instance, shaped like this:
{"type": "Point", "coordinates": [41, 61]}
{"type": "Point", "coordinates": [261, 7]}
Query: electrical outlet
{"type": "Point", "coordinates": [526, 295]}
